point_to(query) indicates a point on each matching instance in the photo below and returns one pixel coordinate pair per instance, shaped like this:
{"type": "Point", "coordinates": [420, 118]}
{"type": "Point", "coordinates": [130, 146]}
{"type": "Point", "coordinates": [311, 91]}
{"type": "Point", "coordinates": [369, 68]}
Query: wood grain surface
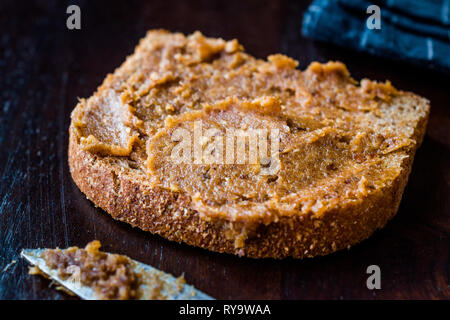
{"type": "Point", "coordinates": [44, 67]}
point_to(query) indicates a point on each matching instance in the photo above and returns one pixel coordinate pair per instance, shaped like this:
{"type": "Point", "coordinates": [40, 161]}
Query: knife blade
{"type": "Point", "coordinates": [171, 288]}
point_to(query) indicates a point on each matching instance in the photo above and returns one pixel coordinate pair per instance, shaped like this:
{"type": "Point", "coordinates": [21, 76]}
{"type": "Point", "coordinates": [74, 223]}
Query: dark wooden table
{"type": "Point", "coordinates": [44, 67]}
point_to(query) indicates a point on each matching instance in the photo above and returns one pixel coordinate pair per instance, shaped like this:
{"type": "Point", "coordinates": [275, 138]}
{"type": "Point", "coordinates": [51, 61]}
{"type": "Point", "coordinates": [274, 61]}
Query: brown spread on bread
{"type": "Point", "coordinates": [340, 142]}
{"type": "Point", "coordinates": [328, 124]}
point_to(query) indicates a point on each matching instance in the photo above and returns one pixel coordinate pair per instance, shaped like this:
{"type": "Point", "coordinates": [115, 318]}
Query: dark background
{"type": "Point", "coordinates": [44, 67]}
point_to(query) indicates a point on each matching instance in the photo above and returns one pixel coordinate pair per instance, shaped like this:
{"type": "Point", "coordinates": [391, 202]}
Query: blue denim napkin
{"type": "Point", "coordinates": [416, 31]}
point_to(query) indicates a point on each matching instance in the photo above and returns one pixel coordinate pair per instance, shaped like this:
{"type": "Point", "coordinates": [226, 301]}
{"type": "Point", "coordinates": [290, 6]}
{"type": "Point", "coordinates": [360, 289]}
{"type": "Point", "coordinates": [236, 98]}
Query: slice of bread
{"type": "Point", "coordinates": [340, 151]}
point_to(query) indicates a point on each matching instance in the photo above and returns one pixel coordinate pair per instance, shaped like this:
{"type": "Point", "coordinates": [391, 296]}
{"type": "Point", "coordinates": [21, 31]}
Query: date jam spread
{"type": "Point", "coordinates": [110, 275]}
{"type": "Point", "coordinates": [335, 141]}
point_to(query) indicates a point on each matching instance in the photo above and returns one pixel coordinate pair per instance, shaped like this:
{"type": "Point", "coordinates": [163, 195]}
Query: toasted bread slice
{"type": "Point", "coordinates": [340, 151]}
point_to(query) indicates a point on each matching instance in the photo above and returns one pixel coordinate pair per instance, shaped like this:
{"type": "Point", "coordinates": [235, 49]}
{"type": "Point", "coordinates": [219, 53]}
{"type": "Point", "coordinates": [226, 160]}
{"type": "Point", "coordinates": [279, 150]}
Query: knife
{"type": "Point", "coordinates": [171, 288]}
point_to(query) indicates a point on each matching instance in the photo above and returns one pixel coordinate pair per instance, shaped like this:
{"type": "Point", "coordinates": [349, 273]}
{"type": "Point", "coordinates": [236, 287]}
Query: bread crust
{"type": "Point", "coordinates": [128, 197]}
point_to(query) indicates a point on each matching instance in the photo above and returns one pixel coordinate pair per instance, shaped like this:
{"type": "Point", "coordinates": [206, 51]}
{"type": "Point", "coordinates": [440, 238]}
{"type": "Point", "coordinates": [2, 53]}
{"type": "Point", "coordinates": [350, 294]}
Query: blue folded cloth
{"type": "Point", "coordinates": [413, 30]}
